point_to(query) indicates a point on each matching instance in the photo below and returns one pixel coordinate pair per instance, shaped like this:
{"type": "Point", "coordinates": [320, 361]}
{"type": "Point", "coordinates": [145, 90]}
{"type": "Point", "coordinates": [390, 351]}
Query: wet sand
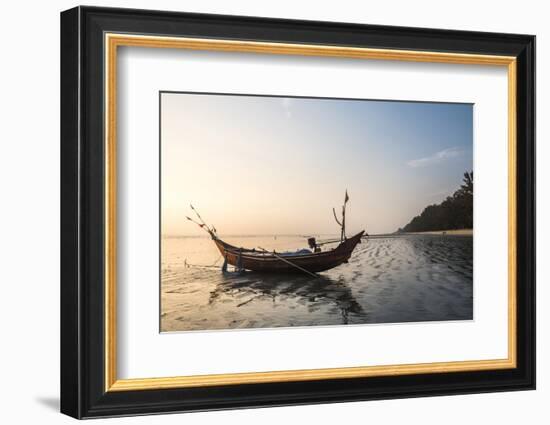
{"type": "Point", "coordinates": [458, 232]}
{"type": "Point", "coordinates": [410, 278]}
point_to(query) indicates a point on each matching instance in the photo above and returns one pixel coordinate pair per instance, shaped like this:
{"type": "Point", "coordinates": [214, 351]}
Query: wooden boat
{"type": "Point", "coordinates": [274, 262]}
{"type": "Point", "coordinates": [304, 261]}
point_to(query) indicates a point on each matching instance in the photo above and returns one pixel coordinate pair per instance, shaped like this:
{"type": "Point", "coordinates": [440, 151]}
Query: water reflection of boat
{"type": "Point", "coordinates": [320, 291]}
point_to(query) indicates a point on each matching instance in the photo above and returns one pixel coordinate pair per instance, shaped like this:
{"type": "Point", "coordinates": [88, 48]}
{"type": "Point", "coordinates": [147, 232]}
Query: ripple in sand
{"type": "Point", "coordinates": [410, 278]}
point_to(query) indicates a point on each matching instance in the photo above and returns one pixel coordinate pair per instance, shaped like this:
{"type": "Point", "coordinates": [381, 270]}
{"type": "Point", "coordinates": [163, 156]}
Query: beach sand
{"type": "Point", "coordinates": [458, 232]}
{"type": "Point", "coordinates": [410, 278]}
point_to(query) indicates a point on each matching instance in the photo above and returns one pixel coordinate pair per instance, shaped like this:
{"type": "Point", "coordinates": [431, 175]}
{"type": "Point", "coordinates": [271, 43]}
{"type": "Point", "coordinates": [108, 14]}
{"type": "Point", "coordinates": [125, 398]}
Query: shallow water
{"type": "Point", "coordinates": [409, 278]}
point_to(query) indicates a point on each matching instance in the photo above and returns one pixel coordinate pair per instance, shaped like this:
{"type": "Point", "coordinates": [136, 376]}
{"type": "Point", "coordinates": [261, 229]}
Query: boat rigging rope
{"type": "Point", "coordinates": [202, 266]}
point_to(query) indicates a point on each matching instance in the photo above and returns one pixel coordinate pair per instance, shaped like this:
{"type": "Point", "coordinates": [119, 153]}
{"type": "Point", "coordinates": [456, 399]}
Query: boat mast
{"type": "Point", "coordinates": [343, 223]}
{"type": "Point", "coordinates": [343, 233]}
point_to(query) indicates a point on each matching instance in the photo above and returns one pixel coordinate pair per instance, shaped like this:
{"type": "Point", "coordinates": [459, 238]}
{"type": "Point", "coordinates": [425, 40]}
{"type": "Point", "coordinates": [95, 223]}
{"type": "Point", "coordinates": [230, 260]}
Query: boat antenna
{"type": "Point", "coordinates": [336, 218]}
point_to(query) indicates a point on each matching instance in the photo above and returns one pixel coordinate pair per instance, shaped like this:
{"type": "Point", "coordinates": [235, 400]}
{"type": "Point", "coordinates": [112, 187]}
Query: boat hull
{"type": "Point", "coordinates": [269, 263]}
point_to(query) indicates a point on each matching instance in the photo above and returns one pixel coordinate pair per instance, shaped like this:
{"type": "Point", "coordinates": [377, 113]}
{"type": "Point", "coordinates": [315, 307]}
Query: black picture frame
{"type": "Point", "coordinates": [83, 392]}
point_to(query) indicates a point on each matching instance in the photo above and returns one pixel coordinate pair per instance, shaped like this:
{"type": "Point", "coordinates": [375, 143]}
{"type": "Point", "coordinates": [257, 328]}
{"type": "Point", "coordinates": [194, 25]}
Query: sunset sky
{"type": "Point", "coordinates": [256, 165]}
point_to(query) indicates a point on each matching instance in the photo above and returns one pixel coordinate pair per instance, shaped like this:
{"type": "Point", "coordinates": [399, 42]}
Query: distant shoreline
{"type": "Point", "coordinates": [458, 232]}
{"type": "Point", "coordinates": [283, 235]}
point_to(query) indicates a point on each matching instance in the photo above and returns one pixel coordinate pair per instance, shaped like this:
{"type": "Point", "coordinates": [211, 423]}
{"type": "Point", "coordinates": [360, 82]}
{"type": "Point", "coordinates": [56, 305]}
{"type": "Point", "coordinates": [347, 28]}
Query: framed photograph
{"type": "Point", "coordinates": [261, 212]}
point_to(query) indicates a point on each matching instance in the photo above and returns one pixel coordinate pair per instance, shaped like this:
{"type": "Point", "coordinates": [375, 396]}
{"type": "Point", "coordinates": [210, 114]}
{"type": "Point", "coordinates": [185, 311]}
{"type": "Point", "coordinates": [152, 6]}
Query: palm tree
{"type": "Point", "coordinates": [468, 186]}
{"type": "Point", "coordinates": [455, 212]}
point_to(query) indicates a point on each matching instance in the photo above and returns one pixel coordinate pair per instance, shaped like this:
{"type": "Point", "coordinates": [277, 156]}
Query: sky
{"type": "Point", "coordinates": [261, 165]}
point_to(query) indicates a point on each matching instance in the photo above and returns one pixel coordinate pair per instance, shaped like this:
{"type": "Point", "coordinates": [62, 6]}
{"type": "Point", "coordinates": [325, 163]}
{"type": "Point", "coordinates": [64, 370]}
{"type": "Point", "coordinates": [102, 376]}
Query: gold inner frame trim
{"type": "Point", "coordinates": [113, 41]}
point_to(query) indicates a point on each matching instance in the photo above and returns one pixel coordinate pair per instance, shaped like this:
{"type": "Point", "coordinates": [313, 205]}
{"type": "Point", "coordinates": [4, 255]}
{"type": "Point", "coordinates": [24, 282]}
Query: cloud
{"type": "Point", "coordinates": [436, 158]}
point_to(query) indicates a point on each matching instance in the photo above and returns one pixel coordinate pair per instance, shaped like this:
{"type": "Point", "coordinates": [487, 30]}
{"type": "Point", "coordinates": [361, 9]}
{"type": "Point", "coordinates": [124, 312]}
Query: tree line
{"type": "Point", "coordinates": [455, 212]}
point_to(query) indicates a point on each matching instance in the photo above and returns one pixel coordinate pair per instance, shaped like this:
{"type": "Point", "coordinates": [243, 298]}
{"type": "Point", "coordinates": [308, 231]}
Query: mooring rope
{"type": "Point", "coordinates": [202, 266]}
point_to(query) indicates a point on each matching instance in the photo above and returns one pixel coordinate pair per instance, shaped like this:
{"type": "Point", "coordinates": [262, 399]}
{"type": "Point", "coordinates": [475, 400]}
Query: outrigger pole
{"type": "Point", "coordinates": [284, 260]}
{"type": "Point", "coordinates": [202, 224]}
